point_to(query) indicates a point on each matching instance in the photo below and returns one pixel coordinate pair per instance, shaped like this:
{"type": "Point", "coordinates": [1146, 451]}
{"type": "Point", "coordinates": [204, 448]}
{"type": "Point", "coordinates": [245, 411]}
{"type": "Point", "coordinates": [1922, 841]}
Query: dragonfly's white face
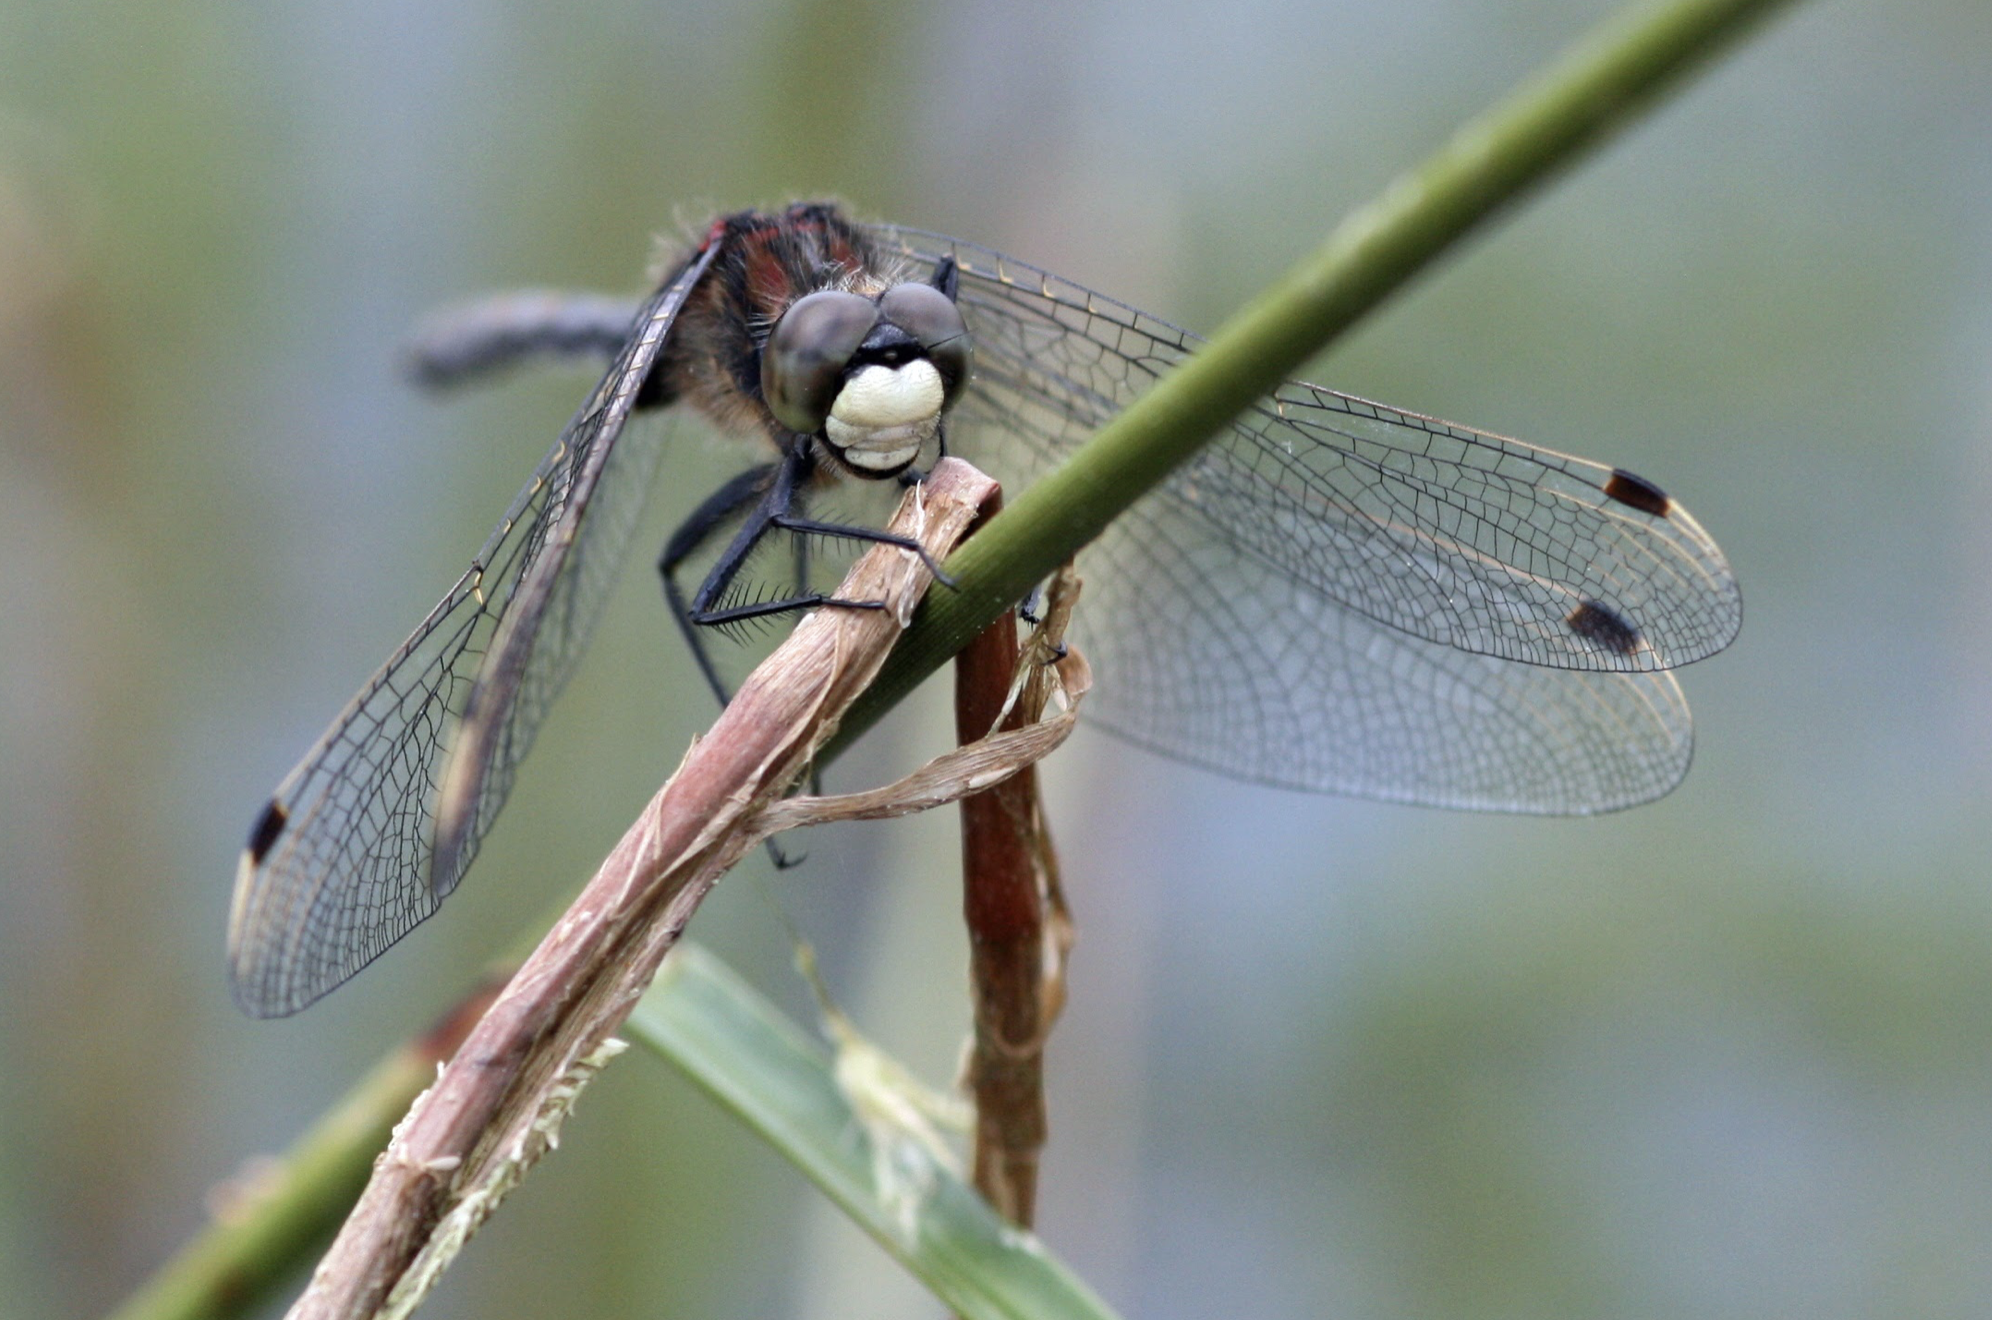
{"type": "Point", "coordinates": [884, 416]}
{"type": "Point", "coordinates": [871, 377]}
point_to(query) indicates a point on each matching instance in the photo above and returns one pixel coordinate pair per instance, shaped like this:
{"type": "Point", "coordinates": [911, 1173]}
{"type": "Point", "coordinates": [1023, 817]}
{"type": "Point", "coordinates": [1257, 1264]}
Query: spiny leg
{"type": "Point", "coordinates": [756, 484]}
{"type": "Point", "coordinates": [779, 509]}
{"type": "Point", "coordinates": [713, 513]}
{"type": "Point", "coordinates": [777, 488]}
{"type": "Point", "coordinates": [800, 546]}
{"type": "Point", "coordinates": [871, 535]}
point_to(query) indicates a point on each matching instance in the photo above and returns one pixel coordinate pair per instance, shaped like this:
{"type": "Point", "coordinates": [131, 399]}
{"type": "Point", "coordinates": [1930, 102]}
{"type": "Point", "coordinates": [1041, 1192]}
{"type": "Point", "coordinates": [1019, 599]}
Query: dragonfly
{"type": "Point", "coordinates": [1333, 595]}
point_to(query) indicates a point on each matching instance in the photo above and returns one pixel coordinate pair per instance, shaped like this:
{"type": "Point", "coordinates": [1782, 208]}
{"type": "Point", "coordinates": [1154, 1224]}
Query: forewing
{"type": "Point", "coordinates": [1331, 595]}
{"type": "Point", "coordinates": [343, 860]}
{"type": "Point", "coordinates": [537, 642]}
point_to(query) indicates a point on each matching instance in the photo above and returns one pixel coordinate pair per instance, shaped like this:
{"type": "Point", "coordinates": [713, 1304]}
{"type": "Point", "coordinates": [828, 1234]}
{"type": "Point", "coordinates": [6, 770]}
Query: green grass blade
{"type": "Point", "coordinates": [741, 1050]}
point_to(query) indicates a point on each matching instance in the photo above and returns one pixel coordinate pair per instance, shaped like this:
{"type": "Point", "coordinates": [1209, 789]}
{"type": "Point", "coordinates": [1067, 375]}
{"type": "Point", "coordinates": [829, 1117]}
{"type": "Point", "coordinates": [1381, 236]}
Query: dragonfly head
{"type": "Point", "coordinates": [871, 376]}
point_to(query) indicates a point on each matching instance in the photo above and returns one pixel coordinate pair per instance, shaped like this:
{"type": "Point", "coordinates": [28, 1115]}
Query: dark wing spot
{"type": "Point", "coordinates": [268, 826]}
{"type": "Point", "coordinates": [1604, 627]}
{"type": "Point", "coordinates": [1637, 491]}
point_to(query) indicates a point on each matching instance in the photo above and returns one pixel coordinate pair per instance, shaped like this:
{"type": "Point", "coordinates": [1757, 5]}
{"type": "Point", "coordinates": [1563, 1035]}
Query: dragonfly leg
{"type": "Point", "coordinates": [778, 487]}
{"type": "Point", "coordinates": [811, 527]}
{"type": "Point", "coordinates": [1028, 612]}
{"type": "Point", "coordinates": [773, 484]}
{"type": "Point", "coordinates": [712, 514]}
{"type": "Point", "coordinates": [1027, 608]}
{"type": "Point", "coordinates": [779, 508]}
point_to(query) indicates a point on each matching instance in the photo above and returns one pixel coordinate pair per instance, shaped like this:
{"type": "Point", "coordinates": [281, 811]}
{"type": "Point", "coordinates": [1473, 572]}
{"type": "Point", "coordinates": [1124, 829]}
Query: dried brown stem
{"type": "Point", "coordinates": [497, 1105]}
{"type": "Point", "coordinates": [1018, 930]}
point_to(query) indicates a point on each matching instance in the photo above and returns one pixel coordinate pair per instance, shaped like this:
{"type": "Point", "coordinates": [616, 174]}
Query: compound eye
{"type": "Point", "coordinates": [931, 317]}
{"type": "Point", "coordinates": [802, 367]}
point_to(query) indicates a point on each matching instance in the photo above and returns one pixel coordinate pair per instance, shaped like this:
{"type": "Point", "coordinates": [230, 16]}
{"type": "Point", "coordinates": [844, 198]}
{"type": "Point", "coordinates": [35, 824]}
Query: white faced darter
{"type": "Point", "coordinates": [1333, 595]}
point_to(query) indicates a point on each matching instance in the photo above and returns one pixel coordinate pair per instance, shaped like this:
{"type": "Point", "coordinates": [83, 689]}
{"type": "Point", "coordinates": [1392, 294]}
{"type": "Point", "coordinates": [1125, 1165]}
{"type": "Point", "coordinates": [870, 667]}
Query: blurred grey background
{"type": "Point", "coordinates": [1728, 1055]}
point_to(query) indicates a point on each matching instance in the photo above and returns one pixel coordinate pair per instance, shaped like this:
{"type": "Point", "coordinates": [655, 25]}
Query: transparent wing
{"type": "Point", "coordinates": [344, 860]}
{"type": "Point", "coordinates": [1334, 595]}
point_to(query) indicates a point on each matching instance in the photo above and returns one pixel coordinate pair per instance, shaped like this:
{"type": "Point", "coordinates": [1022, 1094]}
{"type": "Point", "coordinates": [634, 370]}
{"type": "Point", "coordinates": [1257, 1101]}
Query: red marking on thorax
{"type": "Point", "coordinates": [768, 289]}
{"type": "Point", "coordinates": [772, 248]}
{"type": "Point", "coordinates": [840, 251]}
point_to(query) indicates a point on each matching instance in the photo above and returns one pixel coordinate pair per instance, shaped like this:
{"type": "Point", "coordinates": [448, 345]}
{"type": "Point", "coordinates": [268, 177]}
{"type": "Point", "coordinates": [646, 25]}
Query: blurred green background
{"type": "Point", "coordinates": [1728, 1055]}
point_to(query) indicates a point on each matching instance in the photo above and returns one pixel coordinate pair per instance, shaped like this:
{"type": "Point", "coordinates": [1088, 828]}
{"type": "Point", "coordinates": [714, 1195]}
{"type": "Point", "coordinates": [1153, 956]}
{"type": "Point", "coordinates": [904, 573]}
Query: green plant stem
{"type": "Point", "coordinates": [282, 1215]}
{"type": "Point", "coordinates": [1596, 87]}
